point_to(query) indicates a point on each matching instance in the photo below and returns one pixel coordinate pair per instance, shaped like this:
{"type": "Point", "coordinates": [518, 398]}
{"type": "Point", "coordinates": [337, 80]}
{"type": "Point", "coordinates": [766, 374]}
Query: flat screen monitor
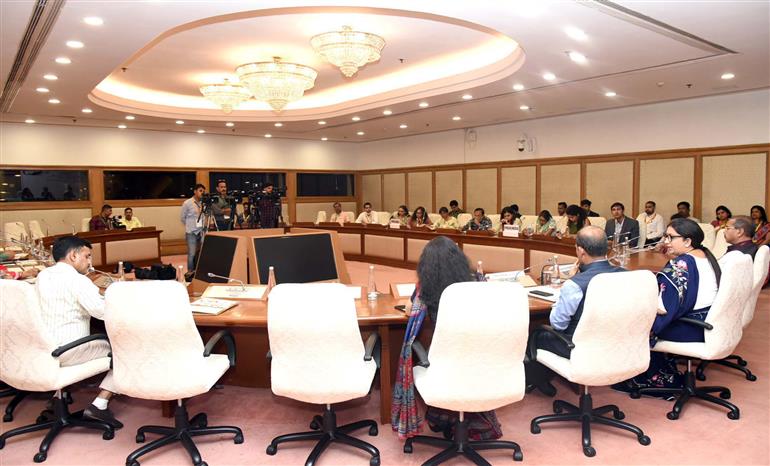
{"type": "Point", "coordinates": [216, 256]}
{"type": "Point", "coordinates": [296, 258]}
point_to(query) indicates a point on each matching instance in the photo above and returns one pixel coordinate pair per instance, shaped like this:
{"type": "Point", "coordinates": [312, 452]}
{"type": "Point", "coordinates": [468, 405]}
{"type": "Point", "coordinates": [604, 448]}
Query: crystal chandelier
{"type": "Point", "coordinates": [226, 95]}
{"type": "Point", "coordinates": [348, 49]}
{"type": "Point", "coordinates": [276, 82]}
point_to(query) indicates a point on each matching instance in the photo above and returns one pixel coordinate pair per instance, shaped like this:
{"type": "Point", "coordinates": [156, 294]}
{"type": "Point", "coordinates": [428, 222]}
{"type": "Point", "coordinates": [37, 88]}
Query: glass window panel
{"type": "Point", "coordinates": [124, 185]}
{"type": "Point", "coordinates": [246, 182]}
{"type": "Point", "coordinates": [43, 185]}
{"type": "Point", "coordinates": [325, 184]}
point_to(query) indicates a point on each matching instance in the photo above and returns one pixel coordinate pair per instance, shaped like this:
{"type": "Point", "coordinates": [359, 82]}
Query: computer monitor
{"type": "Point", "coordinates": [301, 258]}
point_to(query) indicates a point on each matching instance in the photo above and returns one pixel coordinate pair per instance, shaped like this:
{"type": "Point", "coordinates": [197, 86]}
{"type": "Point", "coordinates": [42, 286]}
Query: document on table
{"type": "Point", "coordinates": [515, 276]}
{"type": "Point", "coordinates": [211, 306]}
{"type": "Point", "coordinates": [546, 293]}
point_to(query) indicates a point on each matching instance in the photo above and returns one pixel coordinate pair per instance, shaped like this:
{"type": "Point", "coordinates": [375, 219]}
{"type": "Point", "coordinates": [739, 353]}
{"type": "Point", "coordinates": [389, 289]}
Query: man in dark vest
{"type": "Point", "coordinates": [591, 251]}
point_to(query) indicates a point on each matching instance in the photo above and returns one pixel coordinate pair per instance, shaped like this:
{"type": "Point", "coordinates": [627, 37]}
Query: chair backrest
{"type": "Point", "coordinates": [480, 339]}
{"type": "Point", "coordinates": [600, 222]}
{"type": "Point", "coordinates": [434, 218]}
{"type": "Point", "coordinates": [25, 345]}
{"type": "Point", "coordinates": [350, 215]}
{"type": "Point", "coordinates": [612, 337]}
{"type": "Point", "coordinates": [320, 217]}
{"type": "Point", "coordinates": [14, 230]}
{"type": "Point", "coordinates": [709, 234]}
{"type": "Point", "coordinates": [720, 244]}
{"type": "Point", "coordinates": [642, 229]}
{"type": "Point", "coordinates": [761, 264]}
{"type": "Point", "coordinates": [85, 224]}
{"type": "Point", "coordinates": [315, 342]}
{"type": "Point", "coordinates": [495, 221]}
{"type": "Point", "coordinates": [726, 311]}
{"type": "Point", "coordinates": [383, 217]}
{"type": "Point", "coordinates": [561, 222]}
{"type": "Point", "coordinates": [463, 219]}
{"type": "Point", "coordinates": [157, 352]}
{"type": "Point", "coordinates": [529, 221]}
{"type": "Point", "coordinates": [35, 230]}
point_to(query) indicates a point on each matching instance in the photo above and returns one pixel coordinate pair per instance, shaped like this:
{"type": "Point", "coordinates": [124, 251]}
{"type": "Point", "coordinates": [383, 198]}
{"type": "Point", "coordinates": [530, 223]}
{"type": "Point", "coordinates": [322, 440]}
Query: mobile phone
{"type": "Point", "coordinates": [540, 293]}
{"type": "Point", "coordinates": [400, 307]}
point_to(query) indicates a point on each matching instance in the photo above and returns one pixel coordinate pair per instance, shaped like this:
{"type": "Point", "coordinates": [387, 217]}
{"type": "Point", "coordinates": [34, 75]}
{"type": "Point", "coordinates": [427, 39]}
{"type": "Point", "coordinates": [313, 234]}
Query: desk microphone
{"type": "Point", "coordinates": [516, 276]}
{"type": "Point", "coordinates": [213, 275]}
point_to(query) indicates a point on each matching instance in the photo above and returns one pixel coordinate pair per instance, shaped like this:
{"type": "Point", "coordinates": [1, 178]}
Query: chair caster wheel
{"type": "Point", "coordinates": [725, 395]}
{"type": "Point", "coordinates": [534, 428]}
{"type": "Point", "coordinates": [672, 415]}
{"type": "Point", "coordinates": [619, 415]}
{"type": "Point", "coordinates": [375, 461]}
{"type": "Point", "coordinates": [373, 431]}
{"type": "Point", "coordinates": [645, 440]}
{"type": "Point", "coordinates": [734, 415]}
{"type": "Point", "coordinates": [518, 456]}
{"type": "Point", "coordinates": [139, 438]}
{"type": "Point", "coordinates": [700, 377]}
{"type": "Point", "coordinates": [589, 452]}
{"type": "Point", "coordinates": [40, 457]}
{"type": "Point", "coordinates": [742, 363]}
{"type": "Point", "coordinates": [635, 395]}
{"type": "Point", "coordinates": [751, 377]}
{"type": "Point", "coordinates": [314, 425]}
{"type": "Point", "coordinates": [8, 417]}
{"type": "Point", "coordinates": [408, 448]}
{"type": "Point", "coordinates": [238, 439]}
{"type": "Point", "coordinates": [133, 463]}
{"type": "Point", "coordinates": [556, 408]}
{"type": "Point", "coordinates": [202, 463]}
{"type": "Point", "coordinates": [108, 434]}
{"type": "Point", "coordinates": [271, 450]}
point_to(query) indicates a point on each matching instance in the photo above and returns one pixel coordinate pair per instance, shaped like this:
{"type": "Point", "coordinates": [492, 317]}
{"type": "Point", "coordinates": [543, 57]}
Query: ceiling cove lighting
{"type": "Point", "coordinates": [54, 101]}
{"type": "Point", "coordinates": [226, 95]}
{"type": "Point", "coordinates": [87, 110]}
{"type": "Point", "coordinates": [122, 126]}
{"type": "Point", "coordinates": [518, 87]}
{"type": "Point", "coordinates": [423, 104]}
{"type": "Point", "coordinates": [356, 118]}
{"type": "Point", "coordinates": [324, 139]}
{"type": "Point", "coordinates": [74, 44]}
{"type": "Point", "coordinates": [63, 60]}
{"type": "Point", "coordinates": [403, 126]}
{"type": "Point", "coordinates": [387, 112]}
{"type": "Point", "coordinates": [50, 77]}
{"type": "Point", "coordinates": [42, 90]}
{"type": "Point", "coordinates": [268, 135]}
{"type": "Point", "coordinates": [278, 125]}
{"type": "Point", "coordinates": [467, 97]}
{"type": "Point", "coordinates": [321, 122]}
{"type": "Point", "coordinates": [277, 83]}
{"type": "Point", "coordinates": [179, 122]}
{"type": "Point", "coordinates": [610, 94]}
{"type": "Point", "coordinates": [728, 76]}
{"type": "Point", "coordinates": [577, 57]}
{"type": "Point", "coordinates": [549, 76]}
{"type": "Point", "coordinates": [229, 124]}
{"type": "Point", "coordinates": [93, 20]}
{"type": "Point", "coordinates": [29, 121]}
{"type": "Point", "coordinates": [130, 117]}
{"type": "Point", "coordinates": [456, 118]}
{"type": "Point", "coordinates": [360, 133]}
{"type": "Point", "coordinates": [201, 131]}
{"type": "Point", "coordinates": [524, 107]}
{"type": "Point", "coordinates": [575, 33]}
{"type": "Point", "coordinates": [347, 49]}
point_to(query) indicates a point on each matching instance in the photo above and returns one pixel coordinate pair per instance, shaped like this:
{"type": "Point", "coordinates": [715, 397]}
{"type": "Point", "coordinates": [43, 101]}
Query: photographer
{"type": "Point", "coordinates": [103, 220]}
{"type": "Point", "coordinates": [193, 224]}
{"type": "Point", "coordinates": [266, 205]}
{"type": "Point", "coordinates": [221, 208]}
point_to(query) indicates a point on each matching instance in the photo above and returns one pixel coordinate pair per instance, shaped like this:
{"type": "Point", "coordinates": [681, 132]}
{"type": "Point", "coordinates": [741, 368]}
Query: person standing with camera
{"type": "Point", "coordinates": [221, 208]}
{"type": "Point", "coordinates": [193, 224]}
{"type": "Point", "coordinates": [266, 205]}
{"type": "Point", "coordinates": [103, 220]}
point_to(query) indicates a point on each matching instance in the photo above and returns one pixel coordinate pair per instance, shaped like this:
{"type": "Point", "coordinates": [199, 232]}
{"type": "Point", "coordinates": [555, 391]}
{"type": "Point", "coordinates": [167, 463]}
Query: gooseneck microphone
{"type": "Point", "coordinates": [213, 275]}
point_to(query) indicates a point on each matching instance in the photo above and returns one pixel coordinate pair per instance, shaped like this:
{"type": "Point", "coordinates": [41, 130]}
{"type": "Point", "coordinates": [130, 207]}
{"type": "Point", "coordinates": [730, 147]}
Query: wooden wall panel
{"type": "Point", "coordinates": [394, 191]}
{"type": "Point", "coordinates": [371, 190]}
{"type": "Point", "coordinates": [609, 182]}
{"type": "Point", "coordinates": [667, 182]}
{"type": "Point", "coordinates": [735, 181]}
{"type": "Point", "coordinates": [559, 183]}
{"type": "Point", "coordinates": [449, 185]}
{"type": "Point", "coordinates": [518, 186]}
{"type": "Point", "coordinates": [482, 190]}
{"type": "Point", "coordinates": [420, 186]}
{"type": "Point", "coordinates": [308, 211]}
{"type": "Point", "coordinates": [55, 221]}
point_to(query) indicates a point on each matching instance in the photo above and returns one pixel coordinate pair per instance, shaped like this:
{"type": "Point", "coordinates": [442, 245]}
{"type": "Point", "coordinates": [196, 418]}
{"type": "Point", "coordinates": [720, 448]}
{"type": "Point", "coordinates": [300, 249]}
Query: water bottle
{"type": "Point", "coordinates": [180, 275]}
{"type": "Point", "coordinates": [480, 272]}
{"type": "Point", "coordinates": [371, 289]}
{"type": "Point", "coordinates": [270, 280]}
{"type": "Point", "coordinates": [121, 272]}
{"type": "Point", "coordinates": [556, 275]}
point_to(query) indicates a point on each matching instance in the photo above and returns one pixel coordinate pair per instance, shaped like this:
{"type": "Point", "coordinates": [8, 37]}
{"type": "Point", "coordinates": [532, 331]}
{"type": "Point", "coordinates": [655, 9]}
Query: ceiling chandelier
{"type": "Point", "coordinates": [347, 49]}
{"type": "Point", "coordinates": [276, 82]}
{"type": "Point", "coordinates": [227, 95]}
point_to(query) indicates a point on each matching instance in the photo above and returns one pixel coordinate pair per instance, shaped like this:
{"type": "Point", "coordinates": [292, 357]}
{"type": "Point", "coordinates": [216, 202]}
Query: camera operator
{"type": "Point", "coordinates": [193, 224]}
{"type": "Point", "coordinates": [222, 207]}
{"type": "Point", "coordinates": [103, 220]}
{"type": "Point", "coordinates": [266, 205]}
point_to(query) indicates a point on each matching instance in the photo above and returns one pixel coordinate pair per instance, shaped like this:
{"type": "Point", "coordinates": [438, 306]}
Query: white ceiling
{"type": "Point", "coordinates": [169, 47]}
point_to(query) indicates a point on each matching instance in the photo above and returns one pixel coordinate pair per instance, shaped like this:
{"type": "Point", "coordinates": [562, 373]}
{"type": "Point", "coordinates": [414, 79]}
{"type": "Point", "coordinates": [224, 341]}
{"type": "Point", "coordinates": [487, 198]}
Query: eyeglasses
{"type": "Point", "coordinates": [668, 238]}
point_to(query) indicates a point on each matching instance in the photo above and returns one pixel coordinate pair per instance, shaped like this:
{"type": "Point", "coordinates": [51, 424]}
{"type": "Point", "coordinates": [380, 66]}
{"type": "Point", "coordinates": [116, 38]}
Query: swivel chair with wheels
{"type": "Point", "coordinates": [18, 396]}
{"type": "Point", "coordinates": [158, 354]}
{"type": "Point", "coordinates": [610, 344]}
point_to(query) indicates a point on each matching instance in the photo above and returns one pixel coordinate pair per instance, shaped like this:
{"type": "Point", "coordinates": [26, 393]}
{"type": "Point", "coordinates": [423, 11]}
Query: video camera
{"type": "Point", "coordinates": [259, 194]}
{"type": "Point", "coordinates": [116, 224]}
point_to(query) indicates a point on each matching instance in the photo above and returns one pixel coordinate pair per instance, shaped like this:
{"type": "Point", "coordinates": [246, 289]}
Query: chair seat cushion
{"type": "Point", "coordinates": [590, 376]}
{"type": "Point", "coordinates": [693, 349]}
{"type": "Point", "coordinates": [460, 392]}
{"type": "Point", "coordinates": [192, 380]}
{"type": "Point", "coordinates": [296, 383]}
{"type": "Point", "coordinates": [64, 376]}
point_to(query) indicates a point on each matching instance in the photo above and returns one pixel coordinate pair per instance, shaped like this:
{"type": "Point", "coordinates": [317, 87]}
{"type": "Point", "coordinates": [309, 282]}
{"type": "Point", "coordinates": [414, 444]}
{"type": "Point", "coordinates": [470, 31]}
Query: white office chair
{"type": "Point", "coordinates": [495, 221]}
{"type": "Point", "coordinates": [720, 245]}
{"type": "Point", "coordinates": [463, 219]}
{"type": "Point", "coordinates": [158, 354]}
{"type": "Point", "coordinates": [761, 263]}
{"type": "Point", "coordinates": [600, 222]}
{"type": "Point", "coordinates": [610, 344]}
{"type": "Point", "coordinates": [383, 218]}
{"type": "Point", "coordinates": [709, 235]}
{"type": "Point", "coordinates": [561, 223]}
{"type": "Point", "coordinates": [35, 230]}
{"type": "Point", "coordinates": [434, 218]}
{"type": "Point", "coordinates": [29, 361]}
{"type": "Point", "coordinates": [350, 214]}
{"type": "Point", "coordinates": [14, 231]}
{"type": "Point", "coordinates": [320, 217]}
{"type": "Point", "coordinates": [642, 229]}
{"type": "Point", "coordinates": [722, 333]}
{"type": "Point", "coordinates": [528, 221]}
{"type": "Point", "coordinates": [475, 362]}
{"type": "Point", "coordinates": [85, 224]}
{"type": "Point", "coordinates": [318, 357]}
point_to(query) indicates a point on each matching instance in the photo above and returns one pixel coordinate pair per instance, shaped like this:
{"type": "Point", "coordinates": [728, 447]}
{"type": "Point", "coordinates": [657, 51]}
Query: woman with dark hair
{"type": "Point", "coordinates": [442, 263]}
{"type": "Point", "coordinates": [420, 218]}
{"type": "Point", "coordinates": [688, 285]}
{"type": "Point", "coordinates": [723, 215]}
{"type": "Point", "coordinates": [577, 218]}
{"type": "Point", "coordinates": [402, 215]}
{"type": "Point", "coordinates": [546, 225]}
{"type": "Point", "coordinates": [509, 217]}
{"type": "Point", "coordinates": [761, 225]}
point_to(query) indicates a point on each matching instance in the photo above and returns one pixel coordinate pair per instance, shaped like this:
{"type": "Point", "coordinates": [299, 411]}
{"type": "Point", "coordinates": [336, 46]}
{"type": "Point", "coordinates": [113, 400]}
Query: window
{"type": "Point", "coordinates": [43, 185]}
{"type": "Point", "coordinates": [246, 182]}
{"type": "Point", "coordinates": [120, 185]}
{"type": "Point", "coordinates": [325, 184]}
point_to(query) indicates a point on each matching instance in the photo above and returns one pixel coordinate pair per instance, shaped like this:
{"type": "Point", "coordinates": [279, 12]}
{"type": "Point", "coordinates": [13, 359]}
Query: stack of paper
{"type": "Point", "coordinates": [211, 306]}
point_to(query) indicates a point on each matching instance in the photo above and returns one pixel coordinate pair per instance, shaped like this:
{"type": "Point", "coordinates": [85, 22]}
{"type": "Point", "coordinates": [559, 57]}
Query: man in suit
{"type": "Point", "coordinates": [621, 228]}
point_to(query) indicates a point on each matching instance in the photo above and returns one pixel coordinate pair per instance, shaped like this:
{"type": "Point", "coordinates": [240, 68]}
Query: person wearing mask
{"type": "Point", "coordinates": [193, 224]}
{"type": "Point", "coordinates": [367, 217]}
{"type": "Point", "coordinates": [221, 208]}
{"type": "Point", "coordinates": [268, 211]}
{"type": "Point", "coordinates": [129, 220]}
{"type": "Point", "coordinates": [738, 234]}
{"type": "Point", "coordinates": [102, 221]}
{"type": "Point", "coordinates": [654, 223]}
{"type": "Point", "coordinates": [454, 208]}
{"type": "Point", "coordinates": [723, 214]}
{"type": "Point", "coordinates": [576, 219]}
{"type": "Point", "coordinates": [447, 221]}
{"type": "Point", "coordinates": [479, 222]}
{"type": "Point", "coordinates": [586, 205]}
{"type": "Point", "coordinates": [420, 219]}
{"type": "Point", "coordinates": [68, 300]}
{"type": "Point", "coordinates": [622, 228]}
{"type": "Point", "coordinates": [339, 216]}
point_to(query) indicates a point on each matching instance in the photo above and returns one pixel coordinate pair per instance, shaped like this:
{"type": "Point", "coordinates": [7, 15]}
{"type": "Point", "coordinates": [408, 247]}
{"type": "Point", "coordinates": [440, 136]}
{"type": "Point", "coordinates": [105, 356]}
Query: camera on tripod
{"type": "Point", "coordinates": [259, 194]}
{"type": "Point", "coordinates": [116, 224]}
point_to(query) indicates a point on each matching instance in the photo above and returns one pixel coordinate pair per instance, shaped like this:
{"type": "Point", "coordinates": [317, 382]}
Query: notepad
{"type": "Point", "coordinates": [211, 306]}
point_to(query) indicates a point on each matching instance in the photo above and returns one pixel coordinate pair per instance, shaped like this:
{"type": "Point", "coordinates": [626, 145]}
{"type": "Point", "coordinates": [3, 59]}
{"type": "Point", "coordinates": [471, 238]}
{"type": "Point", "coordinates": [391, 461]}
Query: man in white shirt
{"type": "Point", "coordinates": [367, 216]}
{"type": "Point", "coordinates": [339, 216]}
{"type": "Point", "coordinates": [68, 300]}
{"type": "Point", "coordinates": [654, 222]}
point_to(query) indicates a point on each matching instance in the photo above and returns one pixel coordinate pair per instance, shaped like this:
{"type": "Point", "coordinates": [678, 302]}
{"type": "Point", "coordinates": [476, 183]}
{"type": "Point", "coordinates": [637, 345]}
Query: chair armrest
{"type": "Point", "coordinates": [80, 341]}
{"type": "Point", "coordinates": [546, 329]}
{"type": "Point", "coordinates": [421, 353]}
{"type": "Point", "coordinates": [229, 342]}
{"type": "Point", "coordinates": [696, 322]}
{"type": "Point", "coordinates": [372, 348]}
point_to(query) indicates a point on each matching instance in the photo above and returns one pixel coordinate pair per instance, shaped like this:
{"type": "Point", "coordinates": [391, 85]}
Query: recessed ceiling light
{"type": "Point", "coordinates": [360, 133]}
{"type": "Point", "coordinates": [575, 33]}
{"type": "Point", "coordinates": [387, 112]}
{"type": "Point", "coordinates": [54, 101]}
{"type": "Point", "coordinates": [201, 131]}
{"type": "Point", "coordinates": [93, 20]}
{"type": "Point", "coordinates": [29, 120]}
{"type": "Point", "coordinates": [610, 94]}
{"type": "Point", "coordinates": [63, 60]}
{"type": "Point", "coordinates": [356, 118]}
{"type": "Point", "coordinates": [122, 126]}
{"type": "Point", "coordinates": [268, 135]}
{"type": "Point", "coordinates": [402, 126]}
{"type": "Point", "coordinates": [278, 125]}
{"type": "Point", "coordinates": [324, 139]}
{"type": "Point", "coordinates": [42, 90]}
{"type": "Point", "coordinates": [321, 122]}
{"type": "Point", "coordinates": [130, 117]}
{"type": "Point", "coordinates": [524, 107]}
{"type": "Point", "coordinates": [179, 122]}
{"type": "Point", "coordinates": [577, 57]}
{"type": "Point", "coordinates": [229, 124]}
{"type": "Point", "coordinates": [456, 118]}
{"type": "Point", "coordinates": [518, 87]}
{"type": "Point", "coordinates": [549, 76]}
{"type": "Point", "coordinates": [50, 77]}
{"type": "Point", "coordinates": [87, 110]}
{"type": "Point", "coordinates": [728, 76]}
{"type": "Point", "coordinates": [423, 104]}
{"type": "Point", "coordinates": [467, 97]}
{"type": "Point", "coordinates": [74, 44]}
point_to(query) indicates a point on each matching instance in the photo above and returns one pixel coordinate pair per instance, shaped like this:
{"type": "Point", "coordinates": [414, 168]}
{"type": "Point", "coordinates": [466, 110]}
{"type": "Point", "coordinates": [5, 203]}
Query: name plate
{"type": "Point", "coordinates": [395, 224]}
{"type": "Point", "coordinates": [231, 291]}
{"type": "Point", "coordinates": [511, 231]}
